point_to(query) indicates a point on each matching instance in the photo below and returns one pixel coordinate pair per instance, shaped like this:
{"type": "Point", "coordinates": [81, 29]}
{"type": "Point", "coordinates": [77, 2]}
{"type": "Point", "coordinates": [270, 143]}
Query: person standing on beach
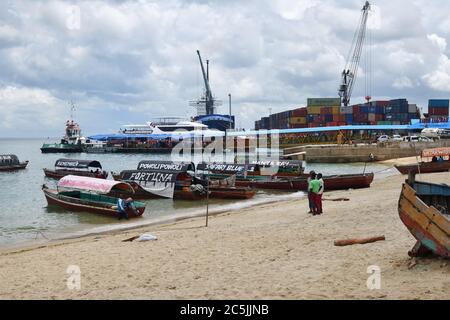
{"type": "Point", "coordinates": [314, 189]}
{"type": "Point", "coordinates": [312, 176]}
{"type": "Point", "coordinates": [319, 194]}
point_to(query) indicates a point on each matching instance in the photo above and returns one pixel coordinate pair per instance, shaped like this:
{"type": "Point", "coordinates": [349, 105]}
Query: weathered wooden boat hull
{"type": "Point", "coordinates": [341, 182]}
{"type": "Point", "coordinates": [73, 204]}
{"type": "Point", "coordinates": [16, 167]}
{"type": "Point", "coordinates": [428, 225]}
{"type": "Point", "coordinates": [53, 174]}
{"type": "Point", "coordinates": [425, 167]}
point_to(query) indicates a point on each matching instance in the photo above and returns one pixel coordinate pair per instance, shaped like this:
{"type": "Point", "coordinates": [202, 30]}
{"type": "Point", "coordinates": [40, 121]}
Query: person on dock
{"type": "Point", "coordinates": [312, 176]}
{"type": "Point", "coordinates": [319, 194]}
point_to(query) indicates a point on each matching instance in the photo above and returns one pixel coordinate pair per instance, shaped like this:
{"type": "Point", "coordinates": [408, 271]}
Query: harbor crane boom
{"type": "Point", "coordinates": [351, 68]}
{"type": "Point", "coordinates": [209, 101]}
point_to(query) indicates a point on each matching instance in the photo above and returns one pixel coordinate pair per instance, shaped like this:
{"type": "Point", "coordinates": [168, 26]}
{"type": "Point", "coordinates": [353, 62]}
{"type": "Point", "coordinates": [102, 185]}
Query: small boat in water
{"type": "Point", "coordinates": [263, 169]}
{"type": "Point", "coordinates": [177, 180]}
{"type": "Point", "coordinates": [424, 208]}
{"type": "Point", "coordinates": [90, 195]}
{"type": "Point", "coordinates": [10, 162]}
{"type": "Point", "coordinates": [435, 165]}
{"type": "Point", "coordinates": [84, 168]}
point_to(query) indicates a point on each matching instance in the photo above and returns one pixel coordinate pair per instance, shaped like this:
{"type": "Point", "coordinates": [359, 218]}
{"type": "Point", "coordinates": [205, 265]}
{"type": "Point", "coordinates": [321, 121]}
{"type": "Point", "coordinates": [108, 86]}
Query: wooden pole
{"type": "Point", "coordinates": [207, 193]}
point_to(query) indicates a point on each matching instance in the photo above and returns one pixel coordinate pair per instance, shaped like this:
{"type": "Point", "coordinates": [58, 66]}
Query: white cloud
{"type": "Point", "coordinates": [440, 42]}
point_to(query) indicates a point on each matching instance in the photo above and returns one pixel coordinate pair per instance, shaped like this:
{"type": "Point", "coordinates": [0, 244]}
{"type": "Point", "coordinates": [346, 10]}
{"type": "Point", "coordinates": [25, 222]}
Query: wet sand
{"type": "Point", "coordinates": [271, 251]}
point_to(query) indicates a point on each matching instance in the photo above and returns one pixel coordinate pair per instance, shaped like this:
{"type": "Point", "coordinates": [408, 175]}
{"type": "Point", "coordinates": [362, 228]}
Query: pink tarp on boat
{"type": "Point", "coordinates": [93, 184]}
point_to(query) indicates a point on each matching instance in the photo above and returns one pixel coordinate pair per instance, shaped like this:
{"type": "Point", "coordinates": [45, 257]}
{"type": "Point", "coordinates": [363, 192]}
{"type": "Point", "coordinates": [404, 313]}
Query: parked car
{"type": "Point", "coordinates": [411, 138]}
{"type": "Point", "coordinates": [396, 137]}
{"type": "Point", "coordinates": [425, 139]}
{"type": "Point", "coordinates": [383, 138]}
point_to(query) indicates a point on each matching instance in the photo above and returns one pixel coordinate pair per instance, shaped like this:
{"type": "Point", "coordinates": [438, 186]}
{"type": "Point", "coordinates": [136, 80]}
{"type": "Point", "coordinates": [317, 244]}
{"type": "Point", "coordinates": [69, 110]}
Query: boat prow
{"type": "Point", "coordinates": [418, 209]}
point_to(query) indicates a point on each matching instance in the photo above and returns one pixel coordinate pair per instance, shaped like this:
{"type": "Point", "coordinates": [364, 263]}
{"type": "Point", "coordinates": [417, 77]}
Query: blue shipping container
{"type": "Point", "coordinates": [439, 103]}
{"type": "Point", "coordinates": [364, 109]}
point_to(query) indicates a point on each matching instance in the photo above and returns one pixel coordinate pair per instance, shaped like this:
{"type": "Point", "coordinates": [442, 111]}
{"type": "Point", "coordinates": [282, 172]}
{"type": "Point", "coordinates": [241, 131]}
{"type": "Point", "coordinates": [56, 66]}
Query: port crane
{"type": "Point", "coordinates": [351, 68]}
{"type": "Point", "coordinates": [207, 102]}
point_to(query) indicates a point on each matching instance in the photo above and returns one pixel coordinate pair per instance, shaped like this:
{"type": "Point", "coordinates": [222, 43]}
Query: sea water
{"type": "Point", "coordinates": [25, 216]}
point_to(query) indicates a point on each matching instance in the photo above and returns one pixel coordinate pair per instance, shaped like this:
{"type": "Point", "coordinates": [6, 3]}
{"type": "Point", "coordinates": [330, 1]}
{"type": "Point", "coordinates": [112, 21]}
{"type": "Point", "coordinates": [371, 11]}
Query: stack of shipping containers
{"type": "Point", "coordinates": [438, 109]}
{"type": "Point", "coordinates": [322, 112]}
{"type": "Point", "coordinates": [298, 118]}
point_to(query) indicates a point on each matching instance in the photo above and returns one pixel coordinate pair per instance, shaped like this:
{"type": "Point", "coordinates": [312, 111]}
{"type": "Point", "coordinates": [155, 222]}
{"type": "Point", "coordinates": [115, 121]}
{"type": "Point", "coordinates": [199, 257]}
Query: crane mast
{"type": "Point", "coordinates": [351, 69]}
{"type": "Point", "coordinates": [209, 101]}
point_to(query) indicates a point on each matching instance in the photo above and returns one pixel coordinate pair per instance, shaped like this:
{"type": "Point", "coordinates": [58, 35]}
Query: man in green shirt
{"type": "Point", "coordinates": [314, 186]}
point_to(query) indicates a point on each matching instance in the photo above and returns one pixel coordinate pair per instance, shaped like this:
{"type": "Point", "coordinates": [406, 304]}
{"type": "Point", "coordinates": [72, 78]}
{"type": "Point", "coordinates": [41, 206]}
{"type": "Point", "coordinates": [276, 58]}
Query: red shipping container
{"type": "Point", "coordinates": [438, 111]}
{"type": "Point", "coordinates": [356, 109]}
{"type": "Point", "coordinates": [300, 112]}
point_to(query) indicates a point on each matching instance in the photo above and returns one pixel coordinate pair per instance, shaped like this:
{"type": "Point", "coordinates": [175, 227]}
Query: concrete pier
{"type": "Point", "coordinates": [360, 152]}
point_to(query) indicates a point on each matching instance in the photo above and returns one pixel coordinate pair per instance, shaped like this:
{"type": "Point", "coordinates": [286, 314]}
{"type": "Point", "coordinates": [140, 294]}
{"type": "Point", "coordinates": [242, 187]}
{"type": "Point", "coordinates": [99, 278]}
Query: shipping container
{"type": "Point", "coordinates": [300, 112]}
{"type": "Point", "coordinates": [435, 111]}
{"type": "Point", "coordinates": [297, 120]}
{"type": "Point", "coordinates": [346, 110]}
{"type": "Point", "coordinates": [314, 102]}
{"type": "Point", "coordinates": [438, 103]}
{"type": "Point", "coordinates": [314, 110]}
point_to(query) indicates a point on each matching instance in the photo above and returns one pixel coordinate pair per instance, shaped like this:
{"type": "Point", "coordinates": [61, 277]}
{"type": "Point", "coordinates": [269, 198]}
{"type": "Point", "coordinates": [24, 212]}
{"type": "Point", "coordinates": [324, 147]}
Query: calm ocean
{"type": "Point", "coordinates": [25, 216]}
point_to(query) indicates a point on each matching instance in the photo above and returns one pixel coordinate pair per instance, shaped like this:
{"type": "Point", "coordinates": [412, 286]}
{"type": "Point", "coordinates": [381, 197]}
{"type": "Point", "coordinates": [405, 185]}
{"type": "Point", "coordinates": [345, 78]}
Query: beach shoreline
{"type": "Point", "coordinates": [269, 251]}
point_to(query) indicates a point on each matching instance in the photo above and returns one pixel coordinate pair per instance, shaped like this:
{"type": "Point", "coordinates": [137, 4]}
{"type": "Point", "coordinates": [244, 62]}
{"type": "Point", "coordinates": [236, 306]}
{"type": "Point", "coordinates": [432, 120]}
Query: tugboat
{"type": "Point", "coordinates": [70, 143]}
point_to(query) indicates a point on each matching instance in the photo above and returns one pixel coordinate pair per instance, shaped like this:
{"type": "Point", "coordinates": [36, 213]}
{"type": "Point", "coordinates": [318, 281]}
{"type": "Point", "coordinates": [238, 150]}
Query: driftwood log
{"type": "Point", "coordinates": [338, 199]}
{"type": "Point", "coordinates": [349, 242]}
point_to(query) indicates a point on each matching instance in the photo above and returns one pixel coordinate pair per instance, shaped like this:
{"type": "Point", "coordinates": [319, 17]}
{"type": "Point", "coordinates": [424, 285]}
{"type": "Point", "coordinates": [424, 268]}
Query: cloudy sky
{"type": "Point", "coordinates": [130, 61]}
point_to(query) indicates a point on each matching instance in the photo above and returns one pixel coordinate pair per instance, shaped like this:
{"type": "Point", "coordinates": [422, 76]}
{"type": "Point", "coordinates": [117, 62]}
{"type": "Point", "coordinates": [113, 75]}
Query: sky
{"type": "Point", "coordinates": [128, 62]}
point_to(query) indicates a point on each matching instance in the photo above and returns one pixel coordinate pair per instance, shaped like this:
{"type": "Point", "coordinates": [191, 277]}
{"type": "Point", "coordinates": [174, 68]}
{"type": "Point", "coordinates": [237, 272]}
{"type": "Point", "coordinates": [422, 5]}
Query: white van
{"type": "Point", "coordinates": [433, 133]}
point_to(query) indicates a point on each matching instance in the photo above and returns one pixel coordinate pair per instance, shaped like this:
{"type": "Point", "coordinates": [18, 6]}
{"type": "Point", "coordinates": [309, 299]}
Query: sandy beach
{"type": "Point", "coordinates": [271, 251]}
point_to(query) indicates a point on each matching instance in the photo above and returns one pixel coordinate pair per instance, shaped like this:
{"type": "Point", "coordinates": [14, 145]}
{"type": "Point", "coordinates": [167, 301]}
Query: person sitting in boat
{"type": "Point", "coordinates": [98, 173]}
{"type": "Point", "coordinates": [123, 206]}
{"type": "Point", "coordinates": [434, 159]}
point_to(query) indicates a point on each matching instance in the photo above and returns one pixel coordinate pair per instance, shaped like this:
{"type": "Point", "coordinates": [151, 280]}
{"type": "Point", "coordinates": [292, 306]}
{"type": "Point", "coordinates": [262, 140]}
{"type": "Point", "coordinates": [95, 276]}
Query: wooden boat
{"type": "Point", "coordinates": [165, 179]}
{"type": "Point", "coordinates": [89, 195]}
{"type": "Point", "coordinates": [288, 168]}
{"type": "Point", "coordinates": [424, 209]}
{"type": "Point", "coordinates": [83, 168]}
{"type": "Point", "coordinates": [428, 166]}
{"type": "Point", "coordinates": [10, 162]}
{"type": "Point", "coordinates": [177, 185]}
{"type": "Point", "coordinates": [335, 182]}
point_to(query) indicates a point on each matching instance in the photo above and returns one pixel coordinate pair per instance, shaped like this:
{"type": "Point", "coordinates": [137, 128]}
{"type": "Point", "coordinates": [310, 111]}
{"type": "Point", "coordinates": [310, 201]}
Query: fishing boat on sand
{"type": "Point", "coordinates": [424, 208]}
{"type": "Point", "coordinates": [84, 168]}
{"type": "Point", "coordinates": [90, 195]}
{"type": "Point", "coordinates": [10, 162]}
{"type": "Point", "coordinates": [428, 166]}
{"type": "Point", "coordinates": [166, 179]}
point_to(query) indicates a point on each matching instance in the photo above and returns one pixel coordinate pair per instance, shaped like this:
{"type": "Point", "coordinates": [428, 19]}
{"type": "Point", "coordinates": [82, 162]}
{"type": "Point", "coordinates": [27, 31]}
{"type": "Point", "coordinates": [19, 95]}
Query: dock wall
{"type": "Point", "coordinates": [361, 153]}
